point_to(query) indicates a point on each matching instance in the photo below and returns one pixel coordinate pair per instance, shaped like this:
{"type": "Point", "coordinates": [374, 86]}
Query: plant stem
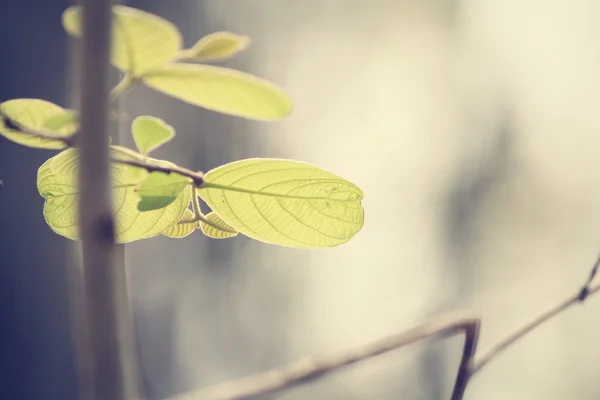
{"type": "Point", "coordinates": [101, 366]}
{"type": "Point", "coordinates": [196, 204]}
{"type": "Point", "coordinates": [126, 83]}
{"type": "Point", "coordinates": [198, 216]}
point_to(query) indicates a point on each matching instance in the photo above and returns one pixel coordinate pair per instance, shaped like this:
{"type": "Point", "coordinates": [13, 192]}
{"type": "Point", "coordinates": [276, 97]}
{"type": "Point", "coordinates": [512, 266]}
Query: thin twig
{"type": "Point", "coordinates": [312, 368]}
{"type": "Point", "coordinates": [521, 332]}
{"type": "Point", "coordinates": [585, 290]}
{"type": "Point", "coordinates": [465, 366]}
{"type": "Point", "coordinates": [196, 177]}
{"type": "Point", "coordinates": [125, 84]}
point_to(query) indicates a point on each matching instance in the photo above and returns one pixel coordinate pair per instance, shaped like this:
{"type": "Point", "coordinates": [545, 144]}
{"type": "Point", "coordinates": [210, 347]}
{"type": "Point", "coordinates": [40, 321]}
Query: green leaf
{"type": "Point", "coordinates": [159, 190]}
{"type": "Point", "coordinates": [285, 202]}
{"type": "Point", "coordinates": [140, 41]}
{"type": "Point", "coordinates": [218, 46]}
{"type": "Point", "coordinates": [57, 184]}
{"type": "Point", "coordinates": [64, 120]}
{"type": "Point", "coordinates": [178, 230]}
{"type": "Point", "coordinates": [149, 133]}
{"type": "Point", "coordinates": [221, 89]}
{"type": "Point", "coordinates": [216, 228]}
{"type": "Point", "coordinates": [33, 114]}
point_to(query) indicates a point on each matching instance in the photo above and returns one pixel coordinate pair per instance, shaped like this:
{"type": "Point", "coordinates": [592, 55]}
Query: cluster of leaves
{"type": "Point", "coordinates": [276, 201]}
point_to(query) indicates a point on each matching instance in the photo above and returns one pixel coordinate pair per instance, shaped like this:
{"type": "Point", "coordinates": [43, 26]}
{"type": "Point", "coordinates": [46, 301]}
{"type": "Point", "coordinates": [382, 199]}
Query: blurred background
{"type": "Point", "coordinates": [473, 128]}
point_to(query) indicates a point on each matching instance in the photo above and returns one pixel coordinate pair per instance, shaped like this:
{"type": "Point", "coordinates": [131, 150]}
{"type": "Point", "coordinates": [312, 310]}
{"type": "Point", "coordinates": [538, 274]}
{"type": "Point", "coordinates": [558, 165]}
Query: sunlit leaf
{"type": "Point", "coordinates": [33, 114]}
{"type": "Point", "coordinates": [179, 230]}
{"type": "Point", "coordinates": [66, 120]}
{"type": "Point", "coordinates": [57, 184]}
{"type": "Point", "coordinates": [159, 190]}
{"type": "Point", "coordinates": [218, 46]}
{"type": "Point", "coordinates": [221, 89]}
{"type": "Point", "coordinates": [140, 41]}
{"type": "Point", "coordinates": [149, 133]}
{"type": "Point", "coordinates": [216, 228]}
{"type": "Point", "coordinates": [285, 202]}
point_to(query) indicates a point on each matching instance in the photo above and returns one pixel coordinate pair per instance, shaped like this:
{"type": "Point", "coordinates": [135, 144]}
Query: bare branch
{"type": "Point", "coordinates": [521, 332]}
{"type": "Point", "coordinates": [585, 290]}
{"type": "Point", "coordinates": [196, 177]}
{"type": "Point", "coordinates": [312, 368]}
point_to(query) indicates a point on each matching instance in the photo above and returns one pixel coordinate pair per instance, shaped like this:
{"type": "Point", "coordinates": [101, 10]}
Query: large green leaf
{"type": "Point", "coordinates": [218, 46]}
{"type": "Point", "coordinates": [159, 190]}
{"type": "Point", "coordinates": [57, 184]}
{"type": "Point", "coordinates": [33, 114]}
{"type": "Point", "coordinates": [149, 133]}
{"type": "Point", "coordinates": [285, 202]}
{"type": "Point", "coordinates": [140, 41]}
{"type": "Point", "coordinates": [221, 89]}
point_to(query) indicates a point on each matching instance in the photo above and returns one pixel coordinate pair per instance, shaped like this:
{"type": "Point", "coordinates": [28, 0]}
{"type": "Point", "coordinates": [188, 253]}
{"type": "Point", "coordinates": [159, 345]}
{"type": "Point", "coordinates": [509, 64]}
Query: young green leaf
{"type": "Point", "coordinates": [33, 114]}
{"type": "Point", "coordinates": [65, 120]}
{"type": "Point", "coordinates": [218, 46]}
{"type": "Point", "coordinates": [140, 41]}
{"type": "Point", "coordinates": [216, 228]}
{"type": "Point", "coordinates": [221, 89]}
{"type": "Point", "coordinates": [178, 230]}
{"type": "Point", "coordinates": [159, 190]}
{"type": "Point", "coordinates": [284, 202]}
{"type": "Point", "coordinates": [149, 133]}
{"type": "Point", "coordinates": [57, 184]}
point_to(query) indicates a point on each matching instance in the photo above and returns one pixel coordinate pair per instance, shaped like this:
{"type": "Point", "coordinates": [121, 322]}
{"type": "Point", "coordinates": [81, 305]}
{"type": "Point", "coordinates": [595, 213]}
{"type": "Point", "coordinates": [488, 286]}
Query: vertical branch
{"type": "Point", "coordinates": [101, 362]}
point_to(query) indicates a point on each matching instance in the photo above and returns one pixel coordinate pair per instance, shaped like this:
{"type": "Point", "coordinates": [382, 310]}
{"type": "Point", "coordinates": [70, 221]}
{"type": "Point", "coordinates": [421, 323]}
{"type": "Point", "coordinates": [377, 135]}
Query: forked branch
{"type": "Point", "coordinates": [310, 369]}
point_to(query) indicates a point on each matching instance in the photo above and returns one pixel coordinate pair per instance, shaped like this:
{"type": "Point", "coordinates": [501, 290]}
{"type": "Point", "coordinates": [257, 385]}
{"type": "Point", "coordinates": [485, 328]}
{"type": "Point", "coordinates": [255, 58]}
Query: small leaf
{"type": "Point", "coordinates": [149, 133]}
{"type": "Point", "coordinates": [141, 41]}
{"type": "Point", "coordinates": [221, 89]}
{"type": "Point", "coordinates": [219, 46]}
{"type": "Point", "coordinates": [32, 114]}
{"type": "Point", "coordinates": [57, 184]}
{"type": "Point", "coordinates": [159, 190]}
{"type": "Point", "coordinates": [216, 228]}
{"type": "Point", "coordinates": [178, 230]}
{"type": "Point", "coordinates": [64, 120]}
{"type": "Point", "coordinates": [285, 202]}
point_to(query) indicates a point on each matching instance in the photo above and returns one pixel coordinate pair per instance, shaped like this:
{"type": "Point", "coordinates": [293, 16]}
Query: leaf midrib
{"type": "Point", "coordinates": [47, 195]}
{"type": "Point", "coordinates": [208, 185]}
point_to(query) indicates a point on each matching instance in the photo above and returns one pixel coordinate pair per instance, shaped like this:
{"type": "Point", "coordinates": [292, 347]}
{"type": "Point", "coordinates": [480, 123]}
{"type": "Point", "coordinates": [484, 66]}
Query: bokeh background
{"type": "Point", "coordinates": [472, 126]}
